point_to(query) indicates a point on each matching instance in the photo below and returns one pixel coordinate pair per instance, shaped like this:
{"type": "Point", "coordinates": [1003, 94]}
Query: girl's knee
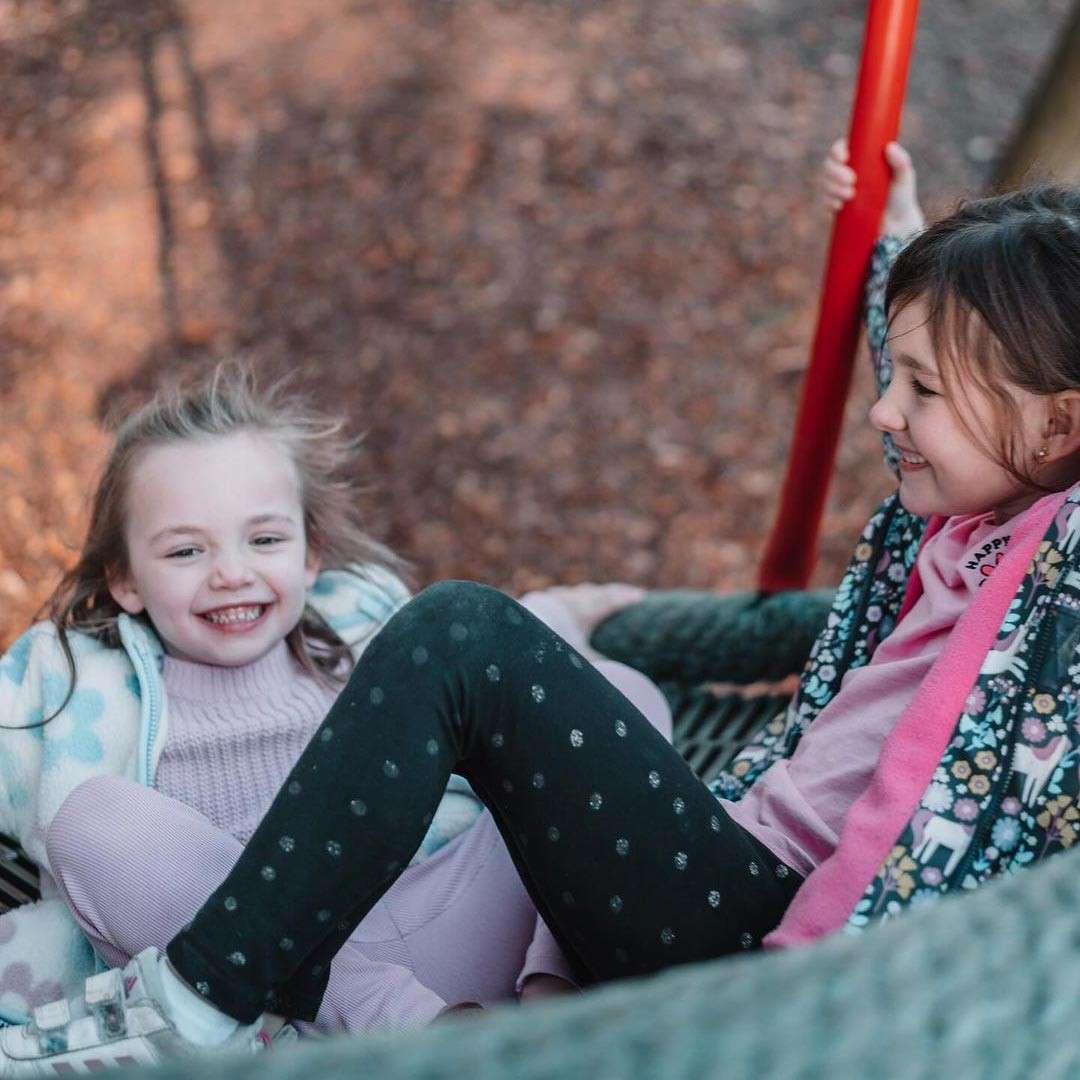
{"type": "Point", "coordinates": [84, 817]}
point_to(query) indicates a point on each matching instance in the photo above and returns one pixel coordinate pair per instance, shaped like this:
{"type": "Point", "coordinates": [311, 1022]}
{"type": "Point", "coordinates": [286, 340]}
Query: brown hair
{"type": "Point", "coordinates": [224, 401]}
{"type": "Point", "coordinates": [1001, 281]}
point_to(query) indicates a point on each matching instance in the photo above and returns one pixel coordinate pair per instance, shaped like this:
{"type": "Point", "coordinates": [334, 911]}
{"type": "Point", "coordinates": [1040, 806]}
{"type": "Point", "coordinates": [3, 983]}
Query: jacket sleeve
{"type": "Point", "coordinates": [877, 328]}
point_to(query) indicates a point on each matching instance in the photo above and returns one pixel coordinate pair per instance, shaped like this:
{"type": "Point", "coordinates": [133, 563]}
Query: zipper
{"type": "Point", "coordinates": [1038, 654]}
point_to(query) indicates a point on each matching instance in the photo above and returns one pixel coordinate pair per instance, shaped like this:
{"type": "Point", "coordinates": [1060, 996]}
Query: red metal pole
{"type": "Point", "coordinates": [875, 121]}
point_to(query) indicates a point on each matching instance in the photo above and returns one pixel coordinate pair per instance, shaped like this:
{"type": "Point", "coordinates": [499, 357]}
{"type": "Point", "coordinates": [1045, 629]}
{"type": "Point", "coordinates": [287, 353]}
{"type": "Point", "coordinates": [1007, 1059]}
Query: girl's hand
{"type": "Point", "coordinates": [903, 215]}
{"type": "Point", "coordinates": [540, 986]}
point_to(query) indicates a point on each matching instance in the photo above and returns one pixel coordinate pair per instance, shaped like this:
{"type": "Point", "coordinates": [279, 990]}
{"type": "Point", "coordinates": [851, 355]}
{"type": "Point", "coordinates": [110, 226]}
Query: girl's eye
{"type": "Point", "coordinates": [921, 390]}
{"type": "Point", "coordinates": [267, 541]}
{"type": "Point", "coordinates": [181, 553]}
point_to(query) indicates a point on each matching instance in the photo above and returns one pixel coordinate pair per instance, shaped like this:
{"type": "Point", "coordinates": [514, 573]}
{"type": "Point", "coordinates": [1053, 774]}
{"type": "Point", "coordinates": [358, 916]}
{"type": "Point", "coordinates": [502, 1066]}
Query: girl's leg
{"type": "Point", "coordinates": [628, 857]}
{"type": "Point", "coordinates": [138, 880]}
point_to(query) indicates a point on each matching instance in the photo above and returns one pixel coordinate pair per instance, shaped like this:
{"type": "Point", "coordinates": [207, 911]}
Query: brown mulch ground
{"type": "Point", "coordinates": [558, 257]}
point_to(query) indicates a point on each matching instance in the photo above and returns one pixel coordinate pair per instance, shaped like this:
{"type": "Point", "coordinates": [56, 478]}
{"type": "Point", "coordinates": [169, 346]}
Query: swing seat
{"type": "Point", "coordinates": [725, 663]}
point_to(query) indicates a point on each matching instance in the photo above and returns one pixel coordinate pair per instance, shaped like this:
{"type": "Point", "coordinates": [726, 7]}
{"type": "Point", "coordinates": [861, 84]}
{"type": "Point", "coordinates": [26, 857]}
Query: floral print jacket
{"type": "Point", "coordinates": [1006, 791]}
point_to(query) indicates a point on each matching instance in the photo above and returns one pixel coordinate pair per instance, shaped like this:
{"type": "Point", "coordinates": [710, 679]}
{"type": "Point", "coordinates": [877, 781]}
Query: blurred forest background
{"type": "Point", "coordinates": [558, 258]}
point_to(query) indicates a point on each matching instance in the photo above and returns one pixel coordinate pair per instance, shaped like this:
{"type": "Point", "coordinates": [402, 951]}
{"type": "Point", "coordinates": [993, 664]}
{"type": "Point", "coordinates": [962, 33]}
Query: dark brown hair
{"type": "Point", "coordinates": [227, 400]}
{"type": "Point", "coordinates": [1001, 281]}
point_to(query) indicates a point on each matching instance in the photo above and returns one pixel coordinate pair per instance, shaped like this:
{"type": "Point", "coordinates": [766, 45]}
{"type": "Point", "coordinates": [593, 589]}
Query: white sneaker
{"type": "Point", "coordinates": [121, 1019]}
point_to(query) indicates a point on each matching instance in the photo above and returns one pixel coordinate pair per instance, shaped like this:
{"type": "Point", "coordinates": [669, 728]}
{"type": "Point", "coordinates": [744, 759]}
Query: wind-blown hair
{"type": "Point", "coordinates": [228, 400]}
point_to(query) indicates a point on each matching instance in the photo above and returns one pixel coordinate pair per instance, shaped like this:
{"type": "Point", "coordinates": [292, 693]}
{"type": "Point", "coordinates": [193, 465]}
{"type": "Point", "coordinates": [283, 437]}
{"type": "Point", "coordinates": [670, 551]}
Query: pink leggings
{"type": "Point", "coordinates": [135, 866]}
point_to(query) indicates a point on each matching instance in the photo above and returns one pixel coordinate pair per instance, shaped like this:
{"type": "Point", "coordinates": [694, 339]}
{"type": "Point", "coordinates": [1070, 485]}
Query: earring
{"type": "Point", "coordinates": [1042, 452]}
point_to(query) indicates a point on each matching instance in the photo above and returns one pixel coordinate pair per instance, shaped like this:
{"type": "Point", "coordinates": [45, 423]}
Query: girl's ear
{"type": "Point", "coordinates": [1063, 428]}
{"type": "Point", "coordinates": [123, 591]}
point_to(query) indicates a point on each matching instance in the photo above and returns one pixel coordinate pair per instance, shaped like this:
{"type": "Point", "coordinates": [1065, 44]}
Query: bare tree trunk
{"type": "Point", "coordinates": [1047, 142]}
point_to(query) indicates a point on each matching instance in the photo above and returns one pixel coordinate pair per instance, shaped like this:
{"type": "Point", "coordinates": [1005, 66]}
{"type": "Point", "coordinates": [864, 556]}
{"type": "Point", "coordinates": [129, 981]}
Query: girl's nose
{"type": "Point", "coordinates": [230, 572]}
{"type": "Point", "coordinates": [885, 415]}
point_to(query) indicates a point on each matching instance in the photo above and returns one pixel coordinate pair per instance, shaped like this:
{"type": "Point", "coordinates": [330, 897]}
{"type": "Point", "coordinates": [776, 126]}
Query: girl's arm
{"type": "Point", "coordinates": [902, 219]}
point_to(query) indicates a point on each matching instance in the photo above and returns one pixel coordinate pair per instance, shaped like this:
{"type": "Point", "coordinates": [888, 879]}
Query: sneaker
{"type": "Point", "coordinates": [119, 1020]}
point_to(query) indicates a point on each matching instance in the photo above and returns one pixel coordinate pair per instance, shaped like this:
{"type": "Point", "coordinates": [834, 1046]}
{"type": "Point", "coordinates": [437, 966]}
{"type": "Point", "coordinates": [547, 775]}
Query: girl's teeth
{"type": "Point", "coordinates": [913, 459]}
{"type": "Point", "coordinates": [235, 615]}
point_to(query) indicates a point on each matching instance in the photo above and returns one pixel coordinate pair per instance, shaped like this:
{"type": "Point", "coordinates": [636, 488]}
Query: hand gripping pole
{"type": "Point", "coordinates": [875, 120]}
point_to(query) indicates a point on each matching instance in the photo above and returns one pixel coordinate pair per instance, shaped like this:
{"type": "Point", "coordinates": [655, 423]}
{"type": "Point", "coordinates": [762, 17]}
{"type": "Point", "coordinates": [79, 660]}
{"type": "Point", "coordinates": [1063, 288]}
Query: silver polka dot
{"type": "Point", "coordinates": [596, 800]}
{"type": "Point", "coordinates": [317, 969]}
{"type": "Point", "coordinates": [390, 770]}
{"type": "Point", "coordinates": [538, 693]}
{"type": "Point", "coordinates": [237, 959]}
{"type": "Point", "coordinates": [620, 729]}
{"type": "Point", "coordinates": [433, 747]}
{"type": "Point", "coordinates": [654, 779]}
{"type": "Point", "coordinates": [714, 823]}
{"type": "Point", "coordinates": [358, 807]}
{"type": "Point", "coordinates": [294, 787]}
{"type": "Point", "coordinates": [420, 656]}
{"type": "Point", "coordinates": [229, 903]}
{"type": "Point", "coordinates": [553, 834]}
{"type": "Point", "coordinates": [782, 871]}
{"type": "Point", "coordinates": [576, 661]}
{"type": "Point", "coordinates": [615, 903]}
{"type": "Point", "coordinates": [680, 860]}
{"type": "Point", "coordinates": [203, 988]}
{"type": "Point", "coordinates": [497, 739]}
{"type": "Point", "coordinates": [754, 869]}
{"type": "Point", "coordinates": [493, 673]}
{"type": "Point", "coordinates": [326, 734]}
{"type": "Point", "coordinates": [507, 786]}
{"type": "Point", "coordinates": [622, 846]}
{"type": "Point", "coordinates": [714, 898]}
{"type": "Point", "coordinates": [746, 940]}
{"type": "Point", "coordinates": [287, 844]}
{"type": "Point", "coordinates": [377, 695]}
{"type": "Point", "coordinates": [513, 616]}
{"type": "Point", "coordinates": [268, 873]}
{"type": "Point", "coordinates": [286, 944]}
{"type": "Point", "coordinates": [576, 739]}
{"type": "Point", "coordinates": [459, 631]}
{"type": "Point", "coordinates": [323, 914]}
{"type": "Point", "coordinates": [678, 805]}
{"type": "Point", "coordinates": [538, 780]}
{"type": "Point", "coordinates": [333, 849]}
{"type": "Point", "coordinates": [667, 935]}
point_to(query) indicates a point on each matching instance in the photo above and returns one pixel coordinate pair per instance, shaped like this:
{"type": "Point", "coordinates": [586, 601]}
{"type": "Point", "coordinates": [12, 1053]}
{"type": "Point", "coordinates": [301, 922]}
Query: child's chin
{"type": "Point", "coordinates": [920, 507]}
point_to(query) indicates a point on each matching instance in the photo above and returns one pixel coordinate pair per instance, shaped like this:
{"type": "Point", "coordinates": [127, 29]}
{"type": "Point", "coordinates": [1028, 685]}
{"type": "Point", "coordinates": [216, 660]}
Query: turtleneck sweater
{"type": "Point", "coordinates": [235, 732]}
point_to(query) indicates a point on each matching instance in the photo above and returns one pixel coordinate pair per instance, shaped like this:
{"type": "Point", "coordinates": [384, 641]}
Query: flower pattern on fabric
{"type": "Point", "coordinates": [1006, 792]}
{"type": "Point", "coordinates": [76, 737]}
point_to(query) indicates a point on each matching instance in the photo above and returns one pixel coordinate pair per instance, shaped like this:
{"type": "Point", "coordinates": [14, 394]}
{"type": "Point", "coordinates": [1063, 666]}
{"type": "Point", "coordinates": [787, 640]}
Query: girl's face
{"type": "Point", "coordinates": [943, 470]}
{"type": "Point", "coordinates": [218, 556]}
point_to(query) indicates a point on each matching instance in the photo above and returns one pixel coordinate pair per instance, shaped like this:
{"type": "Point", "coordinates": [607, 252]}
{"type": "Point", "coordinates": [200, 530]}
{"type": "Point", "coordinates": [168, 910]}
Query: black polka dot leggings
{"type": "Point", "coordinates": [628, 857]}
